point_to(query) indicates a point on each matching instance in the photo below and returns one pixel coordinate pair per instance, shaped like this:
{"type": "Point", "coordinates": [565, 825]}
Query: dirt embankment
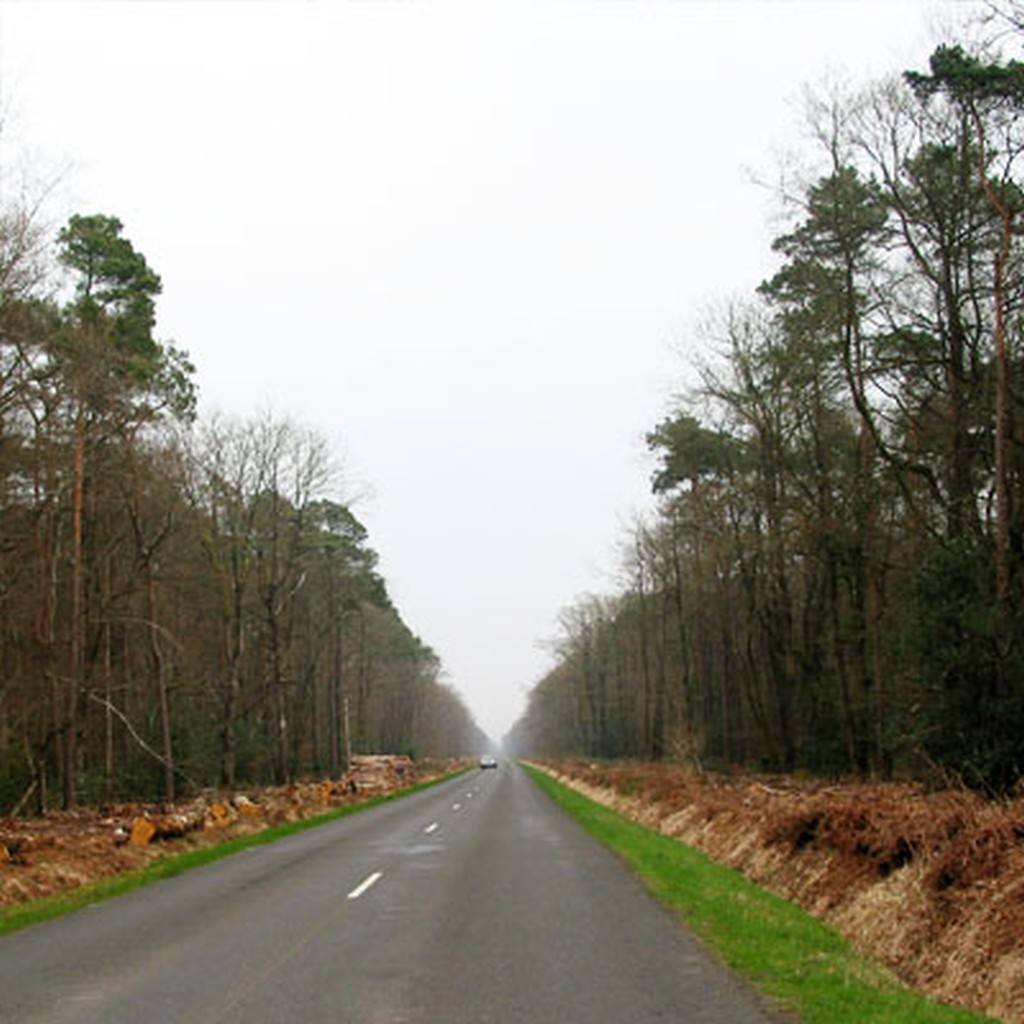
{"type": "Point", "coordinates": [61, 851]}
{"type": "Point", "coordinates": [930, 883]}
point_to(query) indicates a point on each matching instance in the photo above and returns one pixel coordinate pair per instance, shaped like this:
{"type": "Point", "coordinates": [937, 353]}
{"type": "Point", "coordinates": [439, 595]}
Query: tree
{"type": "Point", "coordinates": [982, 92]}
{"type": "Point", "coordinates": [117, 374]}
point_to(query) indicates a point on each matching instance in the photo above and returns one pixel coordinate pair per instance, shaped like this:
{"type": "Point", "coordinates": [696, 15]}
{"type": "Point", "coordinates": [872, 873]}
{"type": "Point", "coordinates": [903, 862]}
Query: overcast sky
{"type": "Point", "coordinates": [466, 242]}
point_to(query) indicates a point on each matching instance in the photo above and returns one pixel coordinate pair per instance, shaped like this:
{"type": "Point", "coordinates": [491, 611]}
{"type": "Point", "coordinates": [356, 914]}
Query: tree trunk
{"type": "Point", "coordinates": [70, 730]}
{"type": "Point", "coordinates": [160, 673]}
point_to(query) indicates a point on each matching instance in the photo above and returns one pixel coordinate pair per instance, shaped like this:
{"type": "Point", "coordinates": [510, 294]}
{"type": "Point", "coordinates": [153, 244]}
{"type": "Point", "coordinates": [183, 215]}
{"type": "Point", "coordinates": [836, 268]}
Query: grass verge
{"type": "Point", "coordinates": [25, 914]}
{"type": "Point", "coordinates": [788, 955]}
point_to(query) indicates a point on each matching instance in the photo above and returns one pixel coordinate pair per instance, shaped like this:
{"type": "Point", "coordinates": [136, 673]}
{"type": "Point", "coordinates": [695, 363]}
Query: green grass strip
{"type": "Point", "coordinates": [25, 914]}
{"type": "Point", "coordinates": [788, 955]}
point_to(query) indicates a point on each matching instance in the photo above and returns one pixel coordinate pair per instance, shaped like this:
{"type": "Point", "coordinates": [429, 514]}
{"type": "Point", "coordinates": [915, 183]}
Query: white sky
{"type": "Point", "coordinates": [465, 241]}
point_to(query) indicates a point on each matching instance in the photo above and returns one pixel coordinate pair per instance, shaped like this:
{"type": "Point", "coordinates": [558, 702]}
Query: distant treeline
{"type": "Point", "coordinates": [182, 603]}
{"type": "Point", "coordinates": [834, 581]}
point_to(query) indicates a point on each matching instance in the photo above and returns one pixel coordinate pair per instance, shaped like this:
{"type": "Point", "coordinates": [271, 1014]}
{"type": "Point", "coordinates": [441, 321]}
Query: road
{"type": "Point", "coordinates": [475, 901]}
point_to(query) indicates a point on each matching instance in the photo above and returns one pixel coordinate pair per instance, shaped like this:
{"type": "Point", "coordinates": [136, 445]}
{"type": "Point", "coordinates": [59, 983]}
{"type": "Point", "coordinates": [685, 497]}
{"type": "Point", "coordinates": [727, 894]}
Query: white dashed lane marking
{"type": "Point", "coordinates": [366, 884]}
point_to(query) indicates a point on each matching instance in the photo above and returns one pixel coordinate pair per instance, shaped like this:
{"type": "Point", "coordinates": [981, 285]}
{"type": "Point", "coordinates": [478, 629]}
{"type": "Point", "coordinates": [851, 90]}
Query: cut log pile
{"type": "Point", "coordinates": [379, 773]}
{"type": "Point", "coordinates": [370, 774]}
{"type": "Point", "coordinates": [180, 822]}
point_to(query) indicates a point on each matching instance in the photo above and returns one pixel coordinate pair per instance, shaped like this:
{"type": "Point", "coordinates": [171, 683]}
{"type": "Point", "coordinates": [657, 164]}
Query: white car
{"type": "Point", "coordinates": [488, 761]}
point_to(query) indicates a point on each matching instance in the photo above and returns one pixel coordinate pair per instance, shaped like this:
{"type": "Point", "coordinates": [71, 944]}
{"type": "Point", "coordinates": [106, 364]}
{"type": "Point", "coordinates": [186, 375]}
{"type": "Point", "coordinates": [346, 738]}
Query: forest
{"type": "Point", "coordinates": [833, 581]}
{"type": "Point", "coordinates": [184, 601]}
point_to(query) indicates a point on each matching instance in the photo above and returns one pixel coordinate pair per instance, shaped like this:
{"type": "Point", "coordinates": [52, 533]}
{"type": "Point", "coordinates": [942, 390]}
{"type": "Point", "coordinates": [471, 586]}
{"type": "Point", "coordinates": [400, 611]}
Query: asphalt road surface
{"type": "Point", "coordinates": [475, 901]}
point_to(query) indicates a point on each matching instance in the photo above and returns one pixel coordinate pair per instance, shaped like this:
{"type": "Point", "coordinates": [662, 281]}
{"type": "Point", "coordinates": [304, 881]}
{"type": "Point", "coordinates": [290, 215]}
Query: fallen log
{"type": "Point", "coordinates": [142, 831]}
{"type": "Point", "coordinates": [246, 807]}
{"type": "Point", "coordinates": [220, 815]}
{"type": "Point", "coordinates": [146, 827]}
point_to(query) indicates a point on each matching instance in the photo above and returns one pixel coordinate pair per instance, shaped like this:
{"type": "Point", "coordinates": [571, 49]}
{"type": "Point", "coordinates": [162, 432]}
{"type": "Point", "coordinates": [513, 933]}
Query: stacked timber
{"type": "Point", "coordinates": [379, 773]}
{"type": "Point", "coordinates": [368, 774]}
{"type": "Point", "coordinates": [171, 825]}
